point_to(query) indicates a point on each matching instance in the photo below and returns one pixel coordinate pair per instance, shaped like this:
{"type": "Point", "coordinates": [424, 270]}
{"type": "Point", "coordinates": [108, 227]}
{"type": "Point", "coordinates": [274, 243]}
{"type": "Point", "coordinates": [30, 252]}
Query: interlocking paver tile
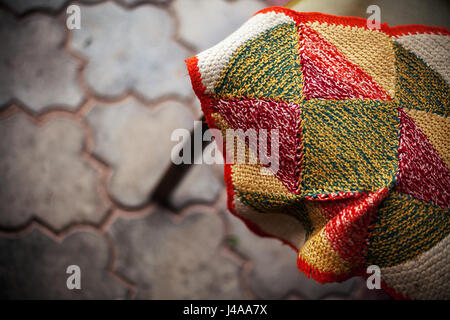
{"type": "Point", "coordinates": [200, 185]}
{"type": "Point", "coordinates": [223, 17]}
{"type": "Point", "coordinates": [274, 274]}
{"type": "Point", "coordinates": [34, 266]}
{"type": "Point", "coordinates": [35, 69]}
{"type": "Point", "coordinates": [131, 50]}
{"type": "Point", "coordinates": [135, 141]}
{"type": "Point", "coordinates": [43, 174]}
{"type": "Point", "coordinates": [183, 260]}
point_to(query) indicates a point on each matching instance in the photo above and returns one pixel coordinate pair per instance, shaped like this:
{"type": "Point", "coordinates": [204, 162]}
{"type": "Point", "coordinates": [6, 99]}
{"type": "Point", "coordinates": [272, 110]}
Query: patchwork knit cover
{"type": "Point", "coordinates": [363, 120]}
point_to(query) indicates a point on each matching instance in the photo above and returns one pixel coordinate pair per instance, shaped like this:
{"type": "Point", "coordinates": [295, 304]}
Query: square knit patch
{"type": "Point", "coordinates": [348, 146]}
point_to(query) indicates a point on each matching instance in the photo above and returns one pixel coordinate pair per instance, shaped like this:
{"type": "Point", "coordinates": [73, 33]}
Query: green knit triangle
{"type": "Point", "coordinates": [418, 86]}
{"type": "Point", "coordinates": [266, 67]}
{"type": "Point", "coordinates": [404, 228]}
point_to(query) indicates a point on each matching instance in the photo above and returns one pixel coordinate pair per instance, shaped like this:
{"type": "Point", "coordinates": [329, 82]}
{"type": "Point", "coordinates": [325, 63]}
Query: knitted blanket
{"type": "Point", "coordinates": [362, 119]}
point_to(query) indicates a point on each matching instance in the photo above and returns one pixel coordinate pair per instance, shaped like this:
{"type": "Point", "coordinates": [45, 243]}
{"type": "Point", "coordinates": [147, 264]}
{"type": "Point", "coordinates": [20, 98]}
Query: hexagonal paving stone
{"type": "Point", "coordinates": [135, 141]}
{"type": "Point", "coordinates": [131, 50]}
{"type": "Point", "coordinates": [183, 260]}
{"type": "Point", "coordinates": [204, 23]}
{"type": "Point", "coordinates": [34, 267]}
{"type": "Point", "coordinates": [274, 274]}
{"type": "Point", "coordinates": [35, 69]}
{"type": "Point", "coordinates": [43, 174]}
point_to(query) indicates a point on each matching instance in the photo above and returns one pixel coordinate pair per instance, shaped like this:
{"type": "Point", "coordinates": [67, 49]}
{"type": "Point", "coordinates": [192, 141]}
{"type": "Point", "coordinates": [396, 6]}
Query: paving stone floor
{"type": "Point", "coordinates": [85, 123]}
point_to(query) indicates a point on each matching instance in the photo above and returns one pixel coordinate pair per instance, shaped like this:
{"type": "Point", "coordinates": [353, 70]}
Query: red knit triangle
{"type": "Point", "coordinates": [422, 173]}
{"type": "Point", "coordinates": [260, 114]}
{"type": "Point", "coordinates": [328, 74]}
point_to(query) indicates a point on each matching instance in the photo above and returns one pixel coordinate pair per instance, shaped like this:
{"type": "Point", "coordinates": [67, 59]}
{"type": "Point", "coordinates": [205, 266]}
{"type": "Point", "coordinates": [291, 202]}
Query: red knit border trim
{"type": "Point", "coordinates": [229, 187]}
{"type": "Point", "coordinates": [196, 78]}
{"type": "Point", "coordinates": [199, 89]}
{"type": "Point", "coordinates": [302, 17]}
{"type": "Point", "coordinates": [313, 272]}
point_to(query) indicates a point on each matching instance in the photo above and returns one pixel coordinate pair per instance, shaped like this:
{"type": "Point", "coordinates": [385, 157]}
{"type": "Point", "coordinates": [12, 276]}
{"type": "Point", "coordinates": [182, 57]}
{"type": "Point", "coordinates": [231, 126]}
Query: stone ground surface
{"type": "Point", "coordinates": [85, 123]}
